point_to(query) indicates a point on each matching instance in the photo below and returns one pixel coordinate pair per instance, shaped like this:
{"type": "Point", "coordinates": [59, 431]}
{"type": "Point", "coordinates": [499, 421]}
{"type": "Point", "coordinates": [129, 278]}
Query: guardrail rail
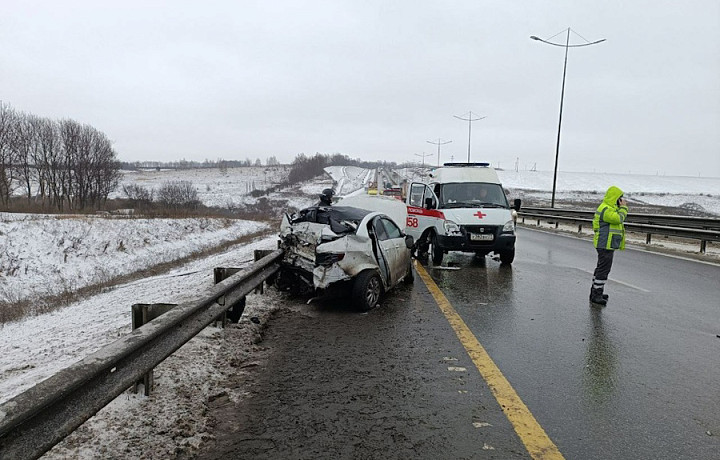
{"type": "Point", "coordinates": [34, 421]}
{"type": "Point", "coordinates": [704, 229]}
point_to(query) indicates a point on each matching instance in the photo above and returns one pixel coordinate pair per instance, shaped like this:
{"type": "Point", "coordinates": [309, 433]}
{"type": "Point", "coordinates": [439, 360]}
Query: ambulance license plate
{"type": "Point", "coordinates": [482, 237]}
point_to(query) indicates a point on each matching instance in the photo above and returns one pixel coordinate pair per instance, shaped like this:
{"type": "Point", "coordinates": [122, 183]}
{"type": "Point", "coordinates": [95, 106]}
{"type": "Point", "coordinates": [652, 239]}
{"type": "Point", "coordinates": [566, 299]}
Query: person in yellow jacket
{"type": "Point", "coordinates": [609, 237]}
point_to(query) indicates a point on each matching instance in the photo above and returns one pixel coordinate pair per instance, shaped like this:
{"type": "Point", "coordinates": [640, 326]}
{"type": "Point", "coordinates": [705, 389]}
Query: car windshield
{"type": "Point", "coordinates": [472, 194]}
{"type": "Point", "coordinates": [341, 219]}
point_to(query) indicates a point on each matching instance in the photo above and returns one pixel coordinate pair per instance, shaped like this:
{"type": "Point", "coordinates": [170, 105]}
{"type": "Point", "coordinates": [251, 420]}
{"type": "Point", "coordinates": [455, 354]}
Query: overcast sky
{"type": "Point", "coordinates": [377, 79]}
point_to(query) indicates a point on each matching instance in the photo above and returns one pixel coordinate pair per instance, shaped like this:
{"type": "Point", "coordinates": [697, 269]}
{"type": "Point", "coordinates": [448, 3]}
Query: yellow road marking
{"type": "Point", "coordinates": [536, 441]}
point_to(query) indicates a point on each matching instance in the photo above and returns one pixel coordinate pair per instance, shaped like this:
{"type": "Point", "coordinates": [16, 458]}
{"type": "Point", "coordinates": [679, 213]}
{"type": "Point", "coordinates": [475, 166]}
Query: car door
{"type": "Point", "coordinates": [399, 258]}
{"type": "Point", "coordinates": [385, 250]}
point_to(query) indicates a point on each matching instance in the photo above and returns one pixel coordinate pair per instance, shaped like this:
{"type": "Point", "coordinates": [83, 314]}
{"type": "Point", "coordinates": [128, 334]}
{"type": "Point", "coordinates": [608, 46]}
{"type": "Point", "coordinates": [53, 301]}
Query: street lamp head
{"type": "Point", "coordinates": [533, 37]}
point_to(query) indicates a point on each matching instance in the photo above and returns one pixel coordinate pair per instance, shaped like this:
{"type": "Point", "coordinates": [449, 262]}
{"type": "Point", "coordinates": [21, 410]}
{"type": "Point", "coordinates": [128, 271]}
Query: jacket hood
{"type": "Point", "coordinates": [612, 195]}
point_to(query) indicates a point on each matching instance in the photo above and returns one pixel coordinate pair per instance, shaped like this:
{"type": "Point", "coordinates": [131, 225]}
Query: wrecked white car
{"type": "Point", "coordinates": [362, 251]}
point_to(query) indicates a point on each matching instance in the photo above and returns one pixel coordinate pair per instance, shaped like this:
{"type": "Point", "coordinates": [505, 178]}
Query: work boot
{"type": "Point", "coordinates": [596, 296]}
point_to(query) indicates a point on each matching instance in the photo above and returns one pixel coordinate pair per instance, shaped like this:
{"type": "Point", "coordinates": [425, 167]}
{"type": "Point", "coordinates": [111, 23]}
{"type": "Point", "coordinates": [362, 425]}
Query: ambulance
{"type": "Point", "coordinates": [462, 207]}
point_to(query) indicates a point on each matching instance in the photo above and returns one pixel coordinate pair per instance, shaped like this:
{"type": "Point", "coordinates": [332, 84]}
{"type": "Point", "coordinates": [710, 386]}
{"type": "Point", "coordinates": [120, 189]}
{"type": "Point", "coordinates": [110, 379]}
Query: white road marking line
{"type": "Point", "coordinates": [632, 286]}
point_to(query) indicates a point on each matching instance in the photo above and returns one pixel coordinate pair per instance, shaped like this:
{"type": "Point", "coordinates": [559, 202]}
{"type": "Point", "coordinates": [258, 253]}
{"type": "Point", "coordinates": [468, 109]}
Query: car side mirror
{"type": "Point", "coordinates": [429, 203]}
{"type": "Point", "coordinates": [409, 241]}
{"type": "Point", "coordinates": [516, 204]}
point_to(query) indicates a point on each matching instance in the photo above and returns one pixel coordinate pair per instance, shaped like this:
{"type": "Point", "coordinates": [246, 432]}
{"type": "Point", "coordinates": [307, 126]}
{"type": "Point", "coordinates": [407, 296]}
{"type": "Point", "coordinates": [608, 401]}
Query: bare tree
{"type": "Point", "coordinates": [178, 194]}
{"type": "Point", "coordinates": [24, 145]}
{"type": "Point", "coordinates": [138, 195]}
{"type": "Point", "coordinates": [49, 147]}
{"type": "Point", "coordinates": [8, 119]}
{"type": "Point", "coordinates": [70, 135]}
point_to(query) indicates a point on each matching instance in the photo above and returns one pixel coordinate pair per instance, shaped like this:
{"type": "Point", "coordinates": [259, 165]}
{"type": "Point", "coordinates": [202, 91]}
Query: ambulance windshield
{"type": "Point", "coordinates": [472, 195]}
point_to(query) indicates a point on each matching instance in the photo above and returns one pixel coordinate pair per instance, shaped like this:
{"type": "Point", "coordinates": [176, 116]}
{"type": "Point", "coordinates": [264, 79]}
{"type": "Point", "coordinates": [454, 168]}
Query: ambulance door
{"type": "Point", "coordinates": [422, 210]}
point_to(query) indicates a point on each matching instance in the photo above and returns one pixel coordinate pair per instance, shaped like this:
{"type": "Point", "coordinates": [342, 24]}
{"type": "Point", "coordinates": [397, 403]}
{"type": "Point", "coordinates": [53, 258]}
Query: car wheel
{"type": "Point", "coordinates": [410, 277]}
{"type": "Point", "coordinates": [367, 290]}
{"type": "Point", "coordinates": [507, 257]}
{"type": "Point", "coordinates": [437, 252]}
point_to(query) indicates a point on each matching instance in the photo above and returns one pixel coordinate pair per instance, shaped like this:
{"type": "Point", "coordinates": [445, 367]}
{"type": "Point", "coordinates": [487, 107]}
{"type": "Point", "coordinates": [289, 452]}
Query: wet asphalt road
{"type": "Point", "coordinates": [636, 379]}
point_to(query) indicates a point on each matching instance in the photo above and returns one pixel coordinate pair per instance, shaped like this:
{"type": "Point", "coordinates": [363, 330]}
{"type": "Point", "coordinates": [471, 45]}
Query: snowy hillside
{"type": "Point", "coordinates": [49, 254]}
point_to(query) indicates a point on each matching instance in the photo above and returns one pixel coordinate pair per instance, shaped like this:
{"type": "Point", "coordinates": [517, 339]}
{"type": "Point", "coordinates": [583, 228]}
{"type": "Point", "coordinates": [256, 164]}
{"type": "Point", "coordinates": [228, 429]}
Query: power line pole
{"type": "Point", "coordinates": [469, 119]}
{"type": "Point", "coordinates": [423, 155]}
{"type": "Point", "coordinates": [439, 143]}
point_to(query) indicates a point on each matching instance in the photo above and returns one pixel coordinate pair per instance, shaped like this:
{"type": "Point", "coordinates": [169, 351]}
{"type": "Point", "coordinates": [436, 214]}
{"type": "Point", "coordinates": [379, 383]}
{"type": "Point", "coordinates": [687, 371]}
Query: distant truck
{"type": "Point", "coordinates": [463, 207]}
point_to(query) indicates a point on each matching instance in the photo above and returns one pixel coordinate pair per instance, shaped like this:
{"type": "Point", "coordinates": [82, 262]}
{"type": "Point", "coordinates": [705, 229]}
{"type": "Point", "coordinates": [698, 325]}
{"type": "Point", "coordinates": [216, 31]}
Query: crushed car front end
{"type": "Point", "coordinates": [322, 248]}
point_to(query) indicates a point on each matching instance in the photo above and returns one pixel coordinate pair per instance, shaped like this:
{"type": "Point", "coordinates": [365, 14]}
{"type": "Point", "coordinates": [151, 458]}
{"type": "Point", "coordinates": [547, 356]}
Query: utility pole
{"type": "Point", "coordinates": [439, 143]}
{"type": "Point", "coordinates": [423, 155]}
{"type": "Point", "coordinates": [469, 119]}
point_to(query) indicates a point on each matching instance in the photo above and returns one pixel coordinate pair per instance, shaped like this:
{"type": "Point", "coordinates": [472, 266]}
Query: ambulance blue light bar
{"type": "Point", "coordinates": [467, 164]}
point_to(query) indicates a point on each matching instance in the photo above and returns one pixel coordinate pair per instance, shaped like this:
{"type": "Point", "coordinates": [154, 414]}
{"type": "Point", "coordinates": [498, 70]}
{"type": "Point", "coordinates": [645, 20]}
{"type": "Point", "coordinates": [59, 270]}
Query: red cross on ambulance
{"type": "Point", "coordinates": [479, 214]}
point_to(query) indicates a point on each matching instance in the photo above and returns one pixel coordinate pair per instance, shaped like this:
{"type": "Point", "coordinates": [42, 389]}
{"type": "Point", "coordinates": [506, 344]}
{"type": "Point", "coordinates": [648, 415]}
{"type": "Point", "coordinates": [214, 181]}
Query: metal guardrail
{"type": "Point", "coordinates": [706, 223]}
{"type": "Point", "coordinates": [32, 422]}
{"type": "Point", "coordinates": [704, 229]}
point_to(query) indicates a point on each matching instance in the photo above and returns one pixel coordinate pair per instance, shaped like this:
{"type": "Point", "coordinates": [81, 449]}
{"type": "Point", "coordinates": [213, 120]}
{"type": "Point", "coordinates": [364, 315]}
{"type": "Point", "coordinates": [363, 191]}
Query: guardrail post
{"type": "Point", "coordinates": [703, 246]}
{"type": "Point", "coordinates": [143, 313]}
{"type": "Point", "coordinates": [259, 254]}
{"type": "Point", "coordinates": [234, 311]}
{"type": "Point", "coordinates": [648, 238]}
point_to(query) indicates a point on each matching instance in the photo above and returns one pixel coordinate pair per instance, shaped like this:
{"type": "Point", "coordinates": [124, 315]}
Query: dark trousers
{"type": "Point", "coordinates": [604, 264]}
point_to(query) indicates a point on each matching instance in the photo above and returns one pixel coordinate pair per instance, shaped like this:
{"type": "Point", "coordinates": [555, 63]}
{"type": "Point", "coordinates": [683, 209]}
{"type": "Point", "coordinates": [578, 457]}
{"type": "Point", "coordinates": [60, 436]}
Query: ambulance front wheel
{"type": "Point", "coordinates": [507, 257]}
{"type": "Point", "coordinates": [437, 251]}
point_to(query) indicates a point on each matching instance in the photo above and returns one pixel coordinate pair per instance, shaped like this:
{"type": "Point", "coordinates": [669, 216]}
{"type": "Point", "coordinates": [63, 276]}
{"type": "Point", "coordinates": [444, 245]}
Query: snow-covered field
{"type": "Point", "coordinates": [223, 189]}
{"type": "Point", "coordinates": [41, 254]}
{"type": "Point", "coordinates": [670, 191]}
{"type": "Point", "coordinates": [50, 254]}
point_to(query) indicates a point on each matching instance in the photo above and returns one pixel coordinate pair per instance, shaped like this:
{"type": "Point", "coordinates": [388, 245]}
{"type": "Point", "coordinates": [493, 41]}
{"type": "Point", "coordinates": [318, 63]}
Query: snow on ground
{"type": "Point", "coordinates": [219, 188]}
{"type": "Point", "coordinates": [348, 178]}
{"type": "Point", "coordinates": [670, 191]}
{"type": "Point", "coordinates": [49, 254]}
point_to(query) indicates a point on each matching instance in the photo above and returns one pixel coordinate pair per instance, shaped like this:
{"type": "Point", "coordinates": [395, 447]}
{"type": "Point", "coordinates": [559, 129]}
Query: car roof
{"type": "Point", "coordinates": [388, 206]}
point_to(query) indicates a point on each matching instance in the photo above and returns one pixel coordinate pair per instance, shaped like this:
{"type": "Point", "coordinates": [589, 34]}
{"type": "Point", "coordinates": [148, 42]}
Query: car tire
{"type": "Point", "coordinates": [507, 257]}
{"type": "Point", "coordinates": [367, 290]}
{"type": "Point", "coordinates": [410, 277]}
{"type": "Point", "coordinates": [437, 252]}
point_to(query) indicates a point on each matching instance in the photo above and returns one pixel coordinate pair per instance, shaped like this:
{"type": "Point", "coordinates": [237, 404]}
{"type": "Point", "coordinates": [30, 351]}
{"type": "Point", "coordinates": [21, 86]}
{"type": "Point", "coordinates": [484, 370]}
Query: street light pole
{"type": "Point", "coordinates": [567, 45]}
{"type": "Point", "coordinates": [423, 155]}
{"type": "Point", "coordinates": [469, 119]}
{"type": "Point", "coordinates": [439, 143]}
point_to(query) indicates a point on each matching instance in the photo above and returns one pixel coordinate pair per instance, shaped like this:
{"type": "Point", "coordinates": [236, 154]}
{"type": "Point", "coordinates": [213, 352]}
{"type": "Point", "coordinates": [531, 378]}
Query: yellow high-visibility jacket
{"type": "Point", "coordinates": [608, 221]}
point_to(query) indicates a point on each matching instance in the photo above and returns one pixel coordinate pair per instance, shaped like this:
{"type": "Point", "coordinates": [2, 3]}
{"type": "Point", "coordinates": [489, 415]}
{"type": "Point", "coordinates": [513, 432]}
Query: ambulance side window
{"type": "Point", "coordinates": [416, 195]}
{"type": "Point", "coordinates": [429, 194]}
